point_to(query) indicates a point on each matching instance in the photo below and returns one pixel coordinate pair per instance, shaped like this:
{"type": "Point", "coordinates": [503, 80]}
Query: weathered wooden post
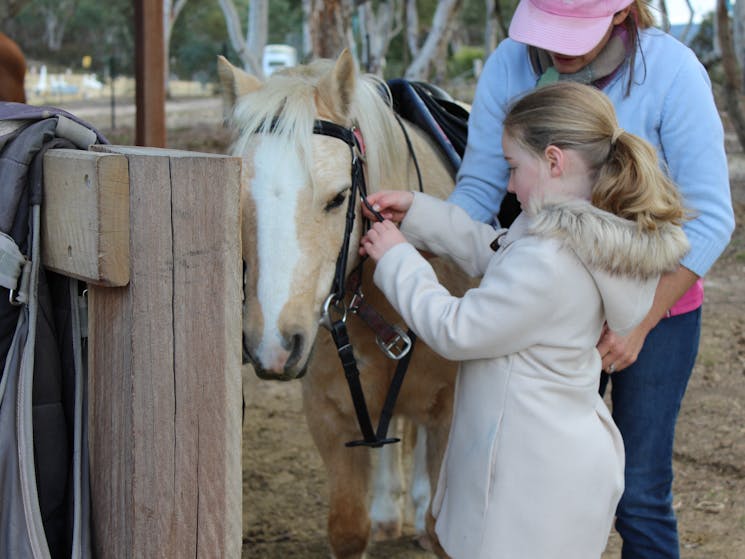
{"type": "Point", "coordinates": [156, 233]}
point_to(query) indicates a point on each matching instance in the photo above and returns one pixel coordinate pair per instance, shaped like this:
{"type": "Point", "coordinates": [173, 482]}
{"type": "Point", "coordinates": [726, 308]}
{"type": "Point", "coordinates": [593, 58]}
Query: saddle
{"type": "Point", "coordinates": [436, 112]}
{"type": "Point", "coordinates": [446, 122]}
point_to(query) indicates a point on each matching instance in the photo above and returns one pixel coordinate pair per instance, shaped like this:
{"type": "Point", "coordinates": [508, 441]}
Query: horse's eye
{"type": "Point", "coordinates": [337, 201]}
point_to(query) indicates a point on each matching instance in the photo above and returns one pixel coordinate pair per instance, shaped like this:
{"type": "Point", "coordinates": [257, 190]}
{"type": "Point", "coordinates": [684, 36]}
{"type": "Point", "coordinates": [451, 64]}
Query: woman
{"type": "Point", "coordinates": [661, 93]}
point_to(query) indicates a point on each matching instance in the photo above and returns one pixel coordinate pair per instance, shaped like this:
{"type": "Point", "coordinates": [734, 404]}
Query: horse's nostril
{"type": "Point", "coordinates": [294, 344]}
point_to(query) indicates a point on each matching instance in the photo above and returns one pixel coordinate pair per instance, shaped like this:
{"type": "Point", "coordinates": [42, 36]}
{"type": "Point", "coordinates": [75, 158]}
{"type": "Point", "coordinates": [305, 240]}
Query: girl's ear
{"type": "Point", "coordinates": [555, 158]}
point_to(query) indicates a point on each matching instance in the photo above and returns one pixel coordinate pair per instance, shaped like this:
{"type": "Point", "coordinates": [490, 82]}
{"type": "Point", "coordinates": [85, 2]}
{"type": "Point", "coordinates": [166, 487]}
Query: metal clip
{"type": "Point", "coordinates": [398, 347]}
{"type": "Point", "coordinates": [332, 303]}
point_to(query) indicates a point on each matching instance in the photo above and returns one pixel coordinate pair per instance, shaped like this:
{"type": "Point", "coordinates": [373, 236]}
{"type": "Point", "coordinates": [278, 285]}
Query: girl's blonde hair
{"type": "Point", "coordinates": [628, 180]}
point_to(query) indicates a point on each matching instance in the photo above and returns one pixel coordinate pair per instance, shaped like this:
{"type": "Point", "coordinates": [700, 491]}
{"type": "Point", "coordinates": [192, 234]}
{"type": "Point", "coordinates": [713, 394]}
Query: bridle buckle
{"type": "Point", "coordinates": [396, 348]}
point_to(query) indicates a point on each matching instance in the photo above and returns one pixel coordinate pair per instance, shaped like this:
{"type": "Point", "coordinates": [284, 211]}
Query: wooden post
{"type": "Point", "coordinates": [164, 354]}
{"type": "Point", "coordinates": [150, 85]}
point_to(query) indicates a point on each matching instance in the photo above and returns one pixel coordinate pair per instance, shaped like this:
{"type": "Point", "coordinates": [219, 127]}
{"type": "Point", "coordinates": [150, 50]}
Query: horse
{"type": "Point", "coordinates": [12, 71]}
{"type": "Point", "coordinates": [299, 135]}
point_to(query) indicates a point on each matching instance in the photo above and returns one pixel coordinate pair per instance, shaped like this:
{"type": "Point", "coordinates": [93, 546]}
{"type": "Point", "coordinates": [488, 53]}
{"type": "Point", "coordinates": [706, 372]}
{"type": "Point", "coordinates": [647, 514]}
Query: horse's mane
{"type": "Point", "coordinates": [286, 106]}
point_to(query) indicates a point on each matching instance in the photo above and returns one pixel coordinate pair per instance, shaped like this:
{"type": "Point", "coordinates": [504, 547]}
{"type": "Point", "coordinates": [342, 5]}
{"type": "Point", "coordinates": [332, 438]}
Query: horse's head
{"type": "Point", "coordinates": [295, 194]}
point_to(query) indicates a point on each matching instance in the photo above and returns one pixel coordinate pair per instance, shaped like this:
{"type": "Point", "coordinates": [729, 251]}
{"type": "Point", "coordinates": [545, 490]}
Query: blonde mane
{"type": "Point", "coordinates": [286, 106]}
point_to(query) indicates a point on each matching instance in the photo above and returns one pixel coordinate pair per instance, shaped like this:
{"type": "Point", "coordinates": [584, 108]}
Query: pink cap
{"type": "Point", "coordinates": [571, 27]}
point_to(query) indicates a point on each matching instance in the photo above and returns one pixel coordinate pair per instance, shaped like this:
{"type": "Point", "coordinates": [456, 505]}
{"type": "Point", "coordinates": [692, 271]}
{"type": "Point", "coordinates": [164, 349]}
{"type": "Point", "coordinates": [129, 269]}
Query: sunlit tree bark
{"type": "Point", "coordinates": [251, 46]}
{"type": "Point", "coordinates": [732, 73]}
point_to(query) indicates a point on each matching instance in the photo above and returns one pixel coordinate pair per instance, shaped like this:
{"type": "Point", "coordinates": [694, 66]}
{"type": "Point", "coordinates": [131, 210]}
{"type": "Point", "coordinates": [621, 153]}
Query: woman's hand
{"type": "Point", "coordinates": [618, 352]}
{"type": "Point", "coordinates": [379, 239]}
{"type": "Point", "coordinates": [391, 204]}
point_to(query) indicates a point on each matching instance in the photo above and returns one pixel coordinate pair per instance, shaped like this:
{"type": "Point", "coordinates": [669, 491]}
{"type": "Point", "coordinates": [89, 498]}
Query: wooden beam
{"type": "Point", "coordinates": [150, 88]}
{"type": "Point", "coordinates": [85, 216]}
{"type": "Point", "coordinates": [165, 358]}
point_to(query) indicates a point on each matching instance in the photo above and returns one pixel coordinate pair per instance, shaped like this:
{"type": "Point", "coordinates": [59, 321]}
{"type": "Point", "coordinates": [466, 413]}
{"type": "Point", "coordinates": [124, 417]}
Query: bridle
{"type": "Point", "coordinates": [394, 342]}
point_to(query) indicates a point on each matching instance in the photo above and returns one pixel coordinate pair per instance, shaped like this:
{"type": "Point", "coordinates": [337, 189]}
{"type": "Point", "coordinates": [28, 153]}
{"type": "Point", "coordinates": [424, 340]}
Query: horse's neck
{"type": "Point", "coordinates": [435, 173]}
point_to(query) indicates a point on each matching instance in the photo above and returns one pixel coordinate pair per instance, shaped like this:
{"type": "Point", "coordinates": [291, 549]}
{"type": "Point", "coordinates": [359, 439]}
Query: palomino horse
{"type": "Point", "coordinates": [12, 71]}
{"type": "Point", "coordinates": [296, 192]}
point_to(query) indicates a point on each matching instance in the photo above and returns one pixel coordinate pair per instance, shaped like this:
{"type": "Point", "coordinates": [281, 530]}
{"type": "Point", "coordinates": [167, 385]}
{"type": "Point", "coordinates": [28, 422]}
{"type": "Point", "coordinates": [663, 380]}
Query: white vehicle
{"type": "Point", "coordinates": [276, 57]}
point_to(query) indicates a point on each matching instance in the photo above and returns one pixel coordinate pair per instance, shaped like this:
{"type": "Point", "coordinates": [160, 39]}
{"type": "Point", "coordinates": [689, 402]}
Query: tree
{"type": "Point", "coordinates": [328, 26]}
{"type": "Point", "coordinates": [436, 38]}
{"type": "Point", "coordinates": [495, 29]}
{"type": "Point", "coordinates": [377, 29]}
{"type": "Point", "coordinates": [738, 31]}
{"type": "Point", "coordinates": [56, 15]}
{"type": "Point", "coordinates": [250, 47]}
{"type": "Point", "coordinates": [171, 11]}
{"type": "Point", "coordinates": [732, 77]}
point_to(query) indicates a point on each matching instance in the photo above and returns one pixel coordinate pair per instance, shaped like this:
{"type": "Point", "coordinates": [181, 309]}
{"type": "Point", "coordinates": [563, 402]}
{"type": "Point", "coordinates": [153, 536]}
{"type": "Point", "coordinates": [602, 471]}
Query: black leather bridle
{"type": "Point", "coordinates": [401, 343]}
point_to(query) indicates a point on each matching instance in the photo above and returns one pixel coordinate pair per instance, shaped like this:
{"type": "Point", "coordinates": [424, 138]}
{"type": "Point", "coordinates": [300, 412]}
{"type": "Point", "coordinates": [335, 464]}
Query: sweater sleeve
{"type": "Point", "coordinates": [482, 177]}
{"type": "Point", "coordinates": [692, 139]}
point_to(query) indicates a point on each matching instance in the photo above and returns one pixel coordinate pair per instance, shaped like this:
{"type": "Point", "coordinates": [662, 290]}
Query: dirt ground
{"type": "Point", "coordinates": [284, 482]}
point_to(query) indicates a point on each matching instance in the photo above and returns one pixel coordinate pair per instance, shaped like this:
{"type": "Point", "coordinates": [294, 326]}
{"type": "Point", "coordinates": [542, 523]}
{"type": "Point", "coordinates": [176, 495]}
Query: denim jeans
{"type": "Point", "coordinates": [646, 398]}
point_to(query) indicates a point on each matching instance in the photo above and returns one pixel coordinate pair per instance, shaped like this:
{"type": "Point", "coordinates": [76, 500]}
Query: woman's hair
{"type": "Point", "coordinates": [628, 180]}
{"type": "Point", "coordinates": [640, 17]}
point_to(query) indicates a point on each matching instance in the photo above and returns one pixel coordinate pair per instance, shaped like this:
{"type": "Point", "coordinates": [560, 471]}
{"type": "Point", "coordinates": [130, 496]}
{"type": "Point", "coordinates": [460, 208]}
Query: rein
{"type": "Point", "coordinates": [391, 339]}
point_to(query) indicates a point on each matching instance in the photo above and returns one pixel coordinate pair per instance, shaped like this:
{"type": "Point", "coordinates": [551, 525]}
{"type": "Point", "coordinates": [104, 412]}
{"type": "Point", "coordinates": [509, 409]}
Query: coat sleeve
{"type": "Point", "coordinates": [447, 230]}
{"type": "Point", "coordinates": [499, 317]}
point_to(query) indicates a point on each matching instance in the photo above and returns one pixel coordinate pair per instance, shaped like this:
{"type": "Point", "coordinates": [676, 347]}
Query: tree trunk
{"type": "Point", "coordinates": [376, 31]}
{"type": "Point", "coordinates": [412, 28]}
{"type": "Point", "coordinates": [495, 29]}
{"type": "Point", "coordinates": [732, 79]}
{"type": "Point", "coordinates": [248, 54]}
{"type": "Point", "coordinates": [171, 11]}
{"type": "Point", "coordinates": [329, 22]}
{"type": "Point", "coordinates": [56, 15]}
{"type": "Point", "coordinates": [420, 67]}
{"type": "Point", "coordinates": [738, 32]}
{"type": "Point", "coordinates": [258, 23]}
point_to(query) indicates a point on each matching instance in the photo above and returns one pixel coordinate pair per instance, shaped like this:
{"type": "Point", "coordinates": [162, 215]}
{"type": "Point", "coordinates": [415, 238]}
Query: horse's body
{"type": "Point", "coordinates": [12, 71]}
{"type": "Point", "coordinates": [295, 193]}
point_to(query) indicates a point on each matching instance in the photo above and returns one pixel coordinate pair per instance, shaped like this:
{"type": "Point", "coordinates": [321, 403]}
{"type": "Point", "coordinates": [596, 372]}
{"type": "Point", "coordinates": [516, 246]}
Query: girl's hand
{"type": "Point", "coordinates": [379, 239]}
{"type": "Point", "coordinates": [391, 204]}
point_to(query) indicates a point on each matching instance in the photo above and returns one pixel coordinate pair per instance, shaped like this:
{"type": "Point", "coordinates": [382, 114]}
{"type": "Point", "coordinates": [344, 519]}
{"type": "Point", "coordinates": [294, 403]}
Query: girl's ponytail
{"type": "Point", "coordinates": [632, 185]}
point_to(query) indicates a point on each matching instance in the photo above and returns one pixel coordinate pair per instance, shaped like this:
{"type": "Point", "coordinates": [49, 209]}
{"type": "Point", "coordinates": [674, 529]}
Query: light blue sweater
{"type": "Point", "coordinates": [670, 105]}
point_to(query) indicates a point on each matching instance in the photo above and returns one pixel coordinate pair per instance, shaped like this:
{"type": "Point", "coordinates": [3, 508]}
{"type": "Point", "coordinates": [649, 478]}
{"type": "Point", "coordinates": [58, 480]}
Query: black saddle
{"type": "Point", "coordinates": [446, 122]}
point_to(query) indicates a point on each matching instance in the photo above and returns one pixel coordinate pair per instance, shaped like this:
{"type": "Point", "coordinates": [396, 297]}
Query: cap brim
{"type": "Point", "coordinates": [573, 36]}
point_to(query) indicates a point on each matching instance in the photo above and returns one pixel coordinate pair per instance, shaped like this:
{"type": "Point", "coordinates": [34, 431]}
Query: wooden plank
{"type": "Point", "coordinates": [85, 216]}
{"type": "Point", "coordinates": [165, 418]}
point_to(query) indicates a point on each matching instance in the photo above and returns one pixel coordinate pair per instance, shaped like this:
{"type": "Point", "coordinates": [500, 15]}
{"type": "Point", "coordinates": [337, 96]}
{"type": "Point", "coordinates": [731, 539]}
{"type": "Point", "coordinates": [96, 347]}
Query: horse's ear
{"type": "Point", "coordinates": [337, 87]}
{"type": "Point", "coordinates": [234, 83]}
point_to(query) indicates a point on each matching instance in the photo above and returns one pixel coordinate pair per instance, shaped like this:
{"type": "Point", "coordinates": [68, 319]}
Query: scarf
{"type": "Point", "coordinates": [599, 72]}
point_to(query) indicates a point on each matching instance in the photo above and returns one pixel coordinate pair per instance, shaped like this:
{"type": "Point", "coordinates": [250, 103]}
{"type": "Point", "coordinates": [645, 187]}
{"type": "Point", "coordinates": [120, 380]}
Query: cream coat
{"type": "Point", "coordinates": [534, 465]}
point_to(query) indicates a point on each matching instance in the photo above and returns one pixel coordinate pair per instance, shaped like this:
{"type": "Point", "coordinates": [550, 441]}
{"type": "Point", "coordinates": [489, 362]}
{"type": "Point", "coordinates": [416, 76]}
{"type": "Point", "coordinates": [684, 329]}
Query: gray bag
{"type": "Point", "coordinates": [44, 484]}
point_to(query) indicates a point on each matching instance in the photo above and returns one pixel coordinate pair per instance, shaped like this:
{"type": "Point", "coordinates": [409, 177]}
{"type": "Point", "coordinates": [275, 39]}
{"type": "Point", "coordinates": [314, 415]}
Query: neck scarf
{"type": "Point", "coordinates": [599, 72]}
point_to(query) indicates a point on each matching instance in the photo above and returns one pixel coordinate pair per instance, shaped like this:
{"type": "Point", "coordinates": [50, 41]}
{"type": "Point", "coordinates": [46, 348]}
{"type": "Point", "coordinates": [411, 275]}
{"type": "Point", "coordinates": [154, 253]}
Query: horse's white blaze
{"type": "Point", "coordinates": [278, 177]}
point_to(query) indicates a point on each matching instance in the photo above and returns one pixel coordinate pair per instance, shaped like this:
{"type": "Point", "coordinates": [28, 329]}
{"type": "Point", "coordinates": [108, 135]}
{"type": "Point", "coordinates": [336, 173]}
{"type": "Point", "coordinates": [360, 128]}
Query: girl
{"type": "Point", "coordinates": [534, 465]}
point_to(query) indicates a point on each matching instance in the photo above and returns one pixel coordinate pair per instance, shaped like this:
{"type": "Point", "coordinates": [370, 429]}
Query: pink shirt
{"type": "Point", "coordinates": [691, 299]}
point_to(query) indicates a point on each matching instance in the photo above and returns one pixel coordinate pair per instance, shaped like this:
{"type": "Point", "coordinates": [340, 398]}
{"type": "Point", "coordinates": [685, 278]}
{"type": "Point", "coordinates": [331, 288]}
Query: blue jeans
{"type": "Point", "coordinates": [646, 399]}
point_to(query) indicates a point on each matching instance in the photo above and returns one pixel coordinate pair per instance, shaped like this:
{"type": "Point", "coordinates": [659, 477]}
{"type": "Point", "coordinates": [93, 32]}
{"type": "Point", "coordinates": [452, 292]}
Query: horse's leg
{"type": "Point", "coordinates": [348, 474]}
{"type": "Point", "coordinates": [421, 492]}
{"type": "Point", "coordinates": [348, 480]}
{"type": "Point", "coordinates": [388, 486]}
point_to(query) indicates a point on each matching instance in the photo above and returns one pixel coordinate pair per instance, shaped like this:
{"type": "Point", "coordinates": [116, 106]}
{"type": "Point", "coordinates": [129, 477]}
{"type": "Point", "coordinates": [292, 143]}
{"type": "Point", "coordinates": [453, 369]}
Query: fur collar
{"type": "Point", "coordinates": [604, 241]}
